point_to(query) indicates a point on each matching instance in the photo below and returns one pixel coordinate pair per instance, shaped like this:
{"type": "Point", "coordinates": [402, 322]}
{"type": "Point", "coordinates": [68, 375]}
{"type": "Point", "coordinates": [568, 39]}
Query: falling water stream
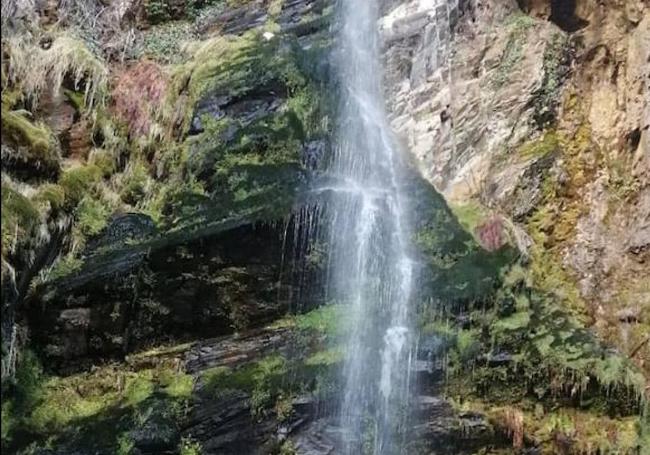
{"type": "Point", "coordinates": [370, 265]}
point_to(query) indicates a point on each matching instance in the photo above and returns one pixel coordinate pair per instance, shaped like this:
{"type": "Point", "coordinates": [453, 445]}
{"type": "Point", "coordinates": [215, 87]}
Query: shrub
{"type": "Point", "coordinates": [78, 181]}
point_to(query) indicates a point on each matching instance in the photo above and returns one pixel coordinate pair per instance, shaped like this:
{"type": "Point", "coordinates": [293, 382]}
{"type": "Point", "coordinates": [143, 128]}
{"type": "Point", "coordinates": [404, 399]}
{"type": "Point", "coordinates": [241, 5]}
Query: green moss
{"type": "Point", "coordinates": [96, 409]}
{"type": "Point", "coordinates": [470, 214]}
{"type": "Point", "coordinates": [262, 379]}
{"type": "Point", "coordinates": [104, 160]}
{"type": "Point", "coordinates": [326, 319]}
{"type": "Point", "coordinates": [178, 385]}
{"type": "Point", "coordinates": [555, 67]}
{"type": "Point", "coordinates": [539, 148]}
{"type": "Point", "coordinates": [37, 137]}
{"type": "Point", "coordinates": [76, 99]}
{"type": "Point", "coordinates": [327, 357]}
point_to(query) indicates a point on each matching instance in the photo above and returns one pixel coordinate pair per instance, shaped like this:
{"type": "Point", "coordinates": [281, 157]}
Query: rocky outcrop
{"type": "Point", "coordinates": [538, 112]}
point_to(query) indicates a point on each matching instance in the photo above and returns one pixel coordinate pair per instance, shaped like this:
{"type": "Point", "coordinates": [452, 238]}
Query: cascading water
{"type": "Point", "coordinates": [370, 266]}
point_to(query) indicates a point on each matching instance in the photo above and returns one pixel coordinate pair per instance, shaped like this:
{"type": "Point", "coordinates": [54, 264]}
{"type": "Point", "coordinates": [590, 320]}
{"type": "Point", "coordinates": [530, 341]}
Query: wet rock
{"type": "Point", "coordinates": [158, 432]}
{"type": "Point", "coordinates": [133, 227]}
{"type": "Point", "coordinates": [235, 351]}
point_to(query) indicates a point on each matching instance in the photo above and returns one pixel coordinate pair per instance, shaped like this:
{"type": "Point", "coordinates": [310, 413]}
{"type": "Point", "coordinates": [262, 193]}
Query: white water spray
{"type": "Point", "coordinates": [370, 265]}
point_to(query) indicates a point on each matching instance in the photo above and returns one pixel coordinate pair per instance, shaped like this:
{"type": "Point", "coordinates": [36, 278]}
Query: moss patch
{"type": "Point", "coordinates": [92, 410]}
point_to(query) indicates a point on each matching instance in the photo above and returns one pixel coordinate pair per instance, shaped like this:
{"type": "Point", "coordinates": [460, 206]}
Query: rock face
{"type": "Point", "coordinates": [145, 296]}
{"type": "Point", "coordinates": [160, 245]}
{"type": "Point", "coordinates": [539, 111]}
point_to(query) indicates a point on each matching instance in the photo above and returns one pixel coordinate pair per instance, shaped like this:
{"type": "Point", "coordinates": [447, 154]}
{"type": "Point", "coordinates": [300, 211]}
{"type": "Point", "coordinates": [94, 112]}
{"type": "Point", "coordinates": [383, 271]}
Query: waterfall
{"type": "Point", "coordinates": [370, 266]}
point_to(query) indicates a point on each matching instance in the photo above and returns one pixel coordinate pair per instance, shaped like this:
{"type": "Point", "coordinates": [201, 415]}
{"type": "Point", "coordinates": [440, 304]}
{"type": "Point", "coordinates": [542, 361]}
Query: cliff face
{"type": "Point", "coordinates": [163, 264]}
{"type": "Point", "coordinates": [539, 112]}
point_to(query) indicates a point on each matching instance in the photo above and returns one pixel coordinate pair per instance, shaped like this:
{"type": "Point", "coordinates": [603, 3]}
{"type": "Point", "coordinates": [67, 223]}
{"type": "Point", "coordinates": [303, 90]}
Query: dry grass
{"type": "Point", "coordinates": [38, 69]}
{"type": "Point", "coordinates": [137, 94]}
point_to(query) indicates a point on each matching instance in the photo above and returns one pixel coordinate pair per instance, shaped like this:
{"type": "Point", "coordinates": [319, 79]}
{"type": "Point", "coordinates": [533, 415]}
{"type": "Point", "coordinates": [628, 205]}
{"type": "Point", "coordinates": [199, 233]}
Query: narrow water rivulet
{"type": "Point", "coordinates": [370, 268]}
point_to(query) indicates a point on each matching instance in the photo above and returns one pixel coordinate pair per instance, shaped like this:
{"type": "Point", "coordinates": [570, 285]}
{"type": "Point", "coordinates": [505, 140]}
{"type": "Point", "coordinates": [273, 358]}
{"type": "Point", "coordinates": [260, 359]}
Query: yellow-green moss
{"type": "Point", "coordinates": [23, 132]}
{"type": "Point", "coordinates": [61, 402]}
{"type": "Point", "coordinates": [541, 147]}
{"type": "Point", "coordinates": [470, 214]}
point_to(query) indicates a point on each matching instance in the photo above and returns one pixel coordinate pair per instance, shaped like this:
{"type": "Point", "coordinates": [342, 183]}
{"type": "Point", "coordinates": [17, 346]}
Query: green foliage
{"type": "Point", "coordinates": [79, 181]}
{"type": "Point", "coordinates": [92, 216]}
{"type": "Point", "coordinates": [20, 394]}
{"type": "Point", "coordinates": [288, 448]}
{"type": "Point", "coordinates": [554, 358]}
{"type": "Point", "coordinates": [267, 378]}
{"type": "Point", "coordinates": [52, 194]}
{"type": "Point", "coordinates": [163, 42]}
{"type": "Point", "coordinates": [157, 11]}
{"type": "Point", "coordinates": [99, 408]}
{"type": "Point", "coordinates": [19, 218]}
{"type": "Point", "coordinates": [8, 422]}
{"type": "Point", "coordinates": [135, 182]}
{"type": "Point", "coordinates": [65, 266]}
{"type": "Point", "coordinates": [189, 447]}
{"type": "Point", "coordinates": [284, 408]}
{"type": "Point", "coordinates": [125, 444]}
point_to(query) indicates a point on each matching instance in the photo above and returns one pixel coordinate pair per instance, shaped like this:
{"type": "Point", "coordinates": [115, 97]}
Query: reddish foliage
{"type": "Point", "coordinates": [137, 92]}
{"type": "Point", "coordinates": [491, 234]}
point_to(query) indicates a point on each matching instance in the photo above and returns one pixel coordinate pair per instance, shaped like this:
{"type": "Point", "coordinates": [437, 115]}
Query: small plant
{"type": "Point", "coordinates": [189, 447]}
{"type": "Point", "coordinates": [92, 216]}
{"type": "Point", "coordinates": [284, 408]}
{"type": "Point", "coordinates": [288, 448]}
{"type": "Point", "coordinates": [157, 11]}
{"type": "Point", "coordinates": [64, 267]}
{"type": "Point", "coordinates": [125, 444]}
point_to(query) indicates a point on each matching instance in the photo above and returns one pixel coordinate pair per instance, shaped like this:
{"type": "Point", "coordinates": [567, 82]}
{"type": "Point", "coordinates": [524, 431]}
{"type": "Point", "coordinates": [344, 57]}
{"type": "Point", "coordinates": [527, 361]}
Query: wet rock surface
{"type": "Point", "coordinates": [231, 280]}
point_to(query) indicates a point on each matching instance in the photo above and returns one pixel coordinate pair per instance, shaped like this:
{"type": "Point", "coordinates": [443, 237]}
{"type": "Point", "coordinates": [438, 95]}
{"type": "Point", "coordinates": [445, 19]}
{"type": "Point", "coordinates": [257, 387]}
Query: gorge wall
{"type": "Point", "coordinates": [163, 260]}
{"type": "Point", "coordinates": [538, 113]}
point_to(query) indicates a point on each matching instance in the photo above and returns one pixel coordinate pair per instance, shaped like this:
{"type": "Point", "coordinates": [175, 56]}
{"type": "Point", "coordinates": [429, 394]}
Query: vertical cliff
{"type": "Point", "coordinates": [537, 112]}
